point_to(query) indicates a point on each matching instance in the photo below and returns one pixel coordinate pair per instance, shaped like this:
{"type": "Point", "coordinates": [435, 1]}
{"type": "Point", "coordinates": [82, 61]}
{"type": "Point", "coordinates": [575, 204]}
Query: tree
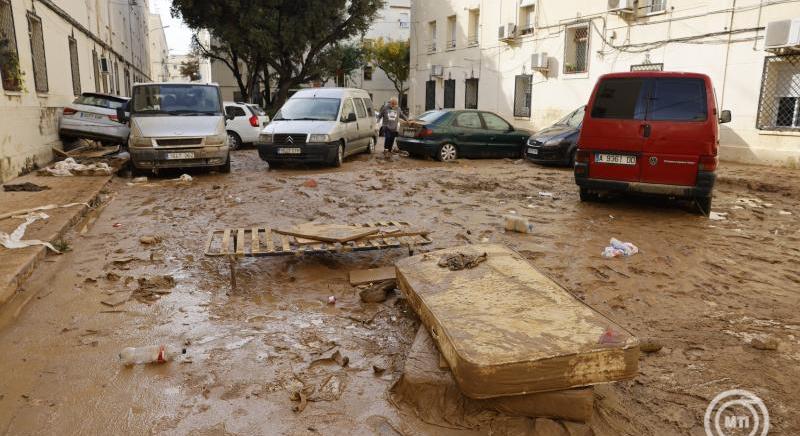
{"type": "Point", "coordinates": [291, 36]}
{"type": "Point", "coordinates": [340, 61]}
{"type": "Point", "coordinates": [393, 57]}
{"type": "Point", "coordinates": [243, 65]}
{"type": "Point", "coordinates": [191, 68]}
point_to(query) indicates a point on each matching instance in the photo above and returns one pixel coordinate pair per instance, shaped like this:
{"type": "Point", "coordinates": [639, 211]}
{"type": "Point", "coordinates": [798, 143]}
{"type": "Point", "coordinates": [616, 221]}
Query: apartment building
{"type": "Point", "coordinates": [534, 61]}
{"type": "Point", "coordinates": [50, 52]}
{"type": "Point", "coordinates": [159, 50]}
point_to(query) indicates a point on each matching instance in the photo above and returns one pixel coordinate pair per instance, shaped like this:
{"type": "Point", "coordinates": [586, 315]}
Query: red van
{"type": "Point", "coordinates": [650, 133]}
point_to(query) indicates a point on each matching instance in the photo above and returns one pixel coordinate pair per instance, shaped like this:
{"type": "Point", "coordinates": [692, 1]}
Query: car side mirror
{"type": "Point", "coordinates": [725, 117]}
{"type": "Point", "coordinates": [122, 116]}
{"type": "Point", "coordinates": [351, 117]}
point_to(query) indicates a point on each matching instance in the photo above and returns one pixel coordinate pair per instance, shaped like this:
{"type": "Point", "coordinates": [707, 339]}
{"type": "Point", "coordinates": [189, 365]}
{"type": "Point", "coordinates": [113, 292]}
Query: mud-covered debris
{"type": "Point", "coordinates": [25, 187]}
{"type": "Point", "coordinates": [516, 223]}
{"type": "Point", "coordinates": [335, 357]}
{"type": "Point", "coordinates": [157, 282]}
{"type": "Point", "coordinates": [123, 260]}
{"type": "Point", "coordinates": [767, 343]}
{"type": "Point", "coordinates": [650, 345]}
{"type": "Point", "coordinates": [117, 299]}
{"type": "Point", "coordinates": [310, 183]}
{"type": "Point", "coordinates": [330, 390]}
{"type": "Point", "coordinates": [718, 216]}
{"type": "Point", "coordinates": [302, 400]}
{"type": "Point", "coordinates": [459, 261]}
{"type": "Point", "coordinates": [139, 180]}
{"type": "Point", "coordinates": [150, 239]}
{"type": "Point", "coordinates": [618, 248]}
{"type": "Point", "coordinates": [379, 292]}
{"type": "Point", "coordinates": [378, 368]}
{"type": "Point", "coordinates": [332, 299]}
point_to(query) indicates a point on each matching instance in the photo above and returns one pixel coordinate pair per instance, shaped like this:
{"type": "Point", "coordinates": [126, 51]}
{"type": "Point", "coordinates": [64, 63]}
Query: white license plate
{"type": "Point", "coordinates": [615, 159]}
{"type": "Point", "coordinates": [532, 150]}
{"type": "Point", "coordinates": [289, 151]}
{"type": "Point", "coordinates": [92, 116]}
{"type": "Point", "coordinates": [183, 155]}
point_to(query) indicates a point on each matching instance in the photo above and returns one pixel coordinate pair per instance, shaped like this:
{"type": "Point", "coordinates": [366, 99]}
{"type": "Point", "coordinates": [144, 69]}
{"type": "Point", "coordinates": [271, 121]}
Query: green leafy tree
{"type": "Point", "coordinates": [393, 57]}
{"type": "Point", "coordinates": [191, 68]}
{"type": "Point", "coordinates": [292, 36]}
{"type": "Point", "coordinates": [339, 61]}
{"type": "Point", "coordinates": [243, 63]}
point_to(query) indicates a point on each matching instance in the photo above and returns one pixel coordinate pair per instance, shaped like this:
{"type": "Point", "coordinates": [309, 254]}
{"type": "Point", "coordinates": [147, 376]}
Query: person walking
{"type": "Point", "coordinates": [390, 116]}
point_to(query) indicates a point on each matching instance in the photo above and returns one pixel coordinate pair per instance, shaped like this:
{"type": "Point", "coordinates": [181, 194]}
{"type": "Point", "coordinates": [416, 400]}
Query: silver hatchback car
{"type": "Point", "coordinates": [94, 116]}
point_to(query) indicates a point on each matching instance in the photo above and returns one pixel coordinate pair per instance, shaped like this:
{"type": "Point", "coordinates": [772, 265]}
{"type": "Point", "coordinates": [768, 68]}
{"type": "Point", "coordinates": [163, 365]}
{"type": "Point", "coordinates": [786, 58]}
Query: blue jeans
{"type": "Point", "coordinates": [389, 136]}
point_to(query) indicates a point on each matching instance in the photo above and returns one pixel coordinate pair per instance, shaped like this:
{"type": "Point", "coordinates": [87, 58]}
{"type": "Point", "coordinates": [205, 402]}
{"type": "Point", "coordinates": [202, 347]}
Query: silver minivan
{"type": "Point", "coordinates": [321, 125]}
{"type": "Point", "coordinates": [176, 125]}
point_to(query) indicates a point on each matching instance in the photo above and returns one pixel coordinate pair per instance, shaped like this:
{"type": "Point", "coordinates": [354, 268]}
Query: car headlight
{"type": "Point", "coordinates": [319, 138]}
{"type": "Point", "coordinates": [139, 141]}
{"type": "Point", "coordinates": [266, 138]}
{"type": "Point", "coordinates": [216, 139]}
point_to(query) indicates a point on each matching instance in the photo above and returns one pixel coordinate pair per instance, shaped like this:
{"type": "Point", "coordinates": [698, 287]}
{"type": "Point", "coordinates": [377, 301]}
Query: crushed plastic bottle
{"type": "Point", "coordinates": [516, 223]}
{"type": "Point", "coordinates": [151, 354]}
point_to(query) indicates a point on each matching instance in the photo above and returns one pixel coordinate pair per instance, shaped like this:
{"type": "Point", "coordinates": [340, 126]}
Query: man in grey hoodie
{"type": "Point", "coordinates": [390, 116]}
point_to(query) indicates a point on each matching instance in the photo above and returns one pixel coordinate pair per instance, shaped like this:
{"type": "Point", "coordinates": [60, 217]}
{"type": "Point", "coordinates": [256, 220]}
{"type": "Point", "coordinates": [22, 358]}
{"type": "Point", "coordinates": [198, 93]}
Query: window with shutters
{"type": "Point", "coordinates": [576, 50]}
{"type": "Point", "coordinates": [75, 66]}
{"type": "Point", "coordinates": [127, 74]}
{"type": "Point", "coordinates": [37, 53]}
{"type": "Point", "coordinates": [117, 86]}
{"type": "Point", "coordinates": [96, 69]}
{"type": "Point", "coordinates": [368, 73]}
{"type": "Point", "coordinates": [449, 94]}
{"type": "Point", "coordinates": [473, 27]}
{"type": "Point", "coordinates": [522, 96]}
{"type": "Point", "coordinates": [527, 16]}
{"type": "Point", "coordinates": [656, 7]}
{"type": "Point", "coordinates": [779, 103]}
{"type": "Point", "coordinates": [10, 70]}
{"type": "Point", "coordinates": [430, 95]}
{"type": "Point", "coordinates": [471, 94]}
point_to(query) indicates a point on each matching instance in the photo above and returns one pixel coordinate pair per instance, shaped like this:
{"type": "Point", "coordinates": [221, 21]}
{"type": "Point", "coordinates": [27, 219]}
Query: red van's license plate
{"type": "Point", "coordinates": [617, 159]}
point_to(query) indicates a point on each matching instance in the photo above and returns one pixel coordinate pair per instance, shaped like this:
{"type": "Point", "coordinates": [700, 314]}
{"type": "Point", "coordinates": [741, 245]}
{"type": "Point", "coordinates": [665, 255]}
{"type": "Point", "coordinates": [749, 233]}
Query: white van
{"type": "Point", "coordinates": [177, 125]}
{"type": "Point", "coordinates": [322, 125]}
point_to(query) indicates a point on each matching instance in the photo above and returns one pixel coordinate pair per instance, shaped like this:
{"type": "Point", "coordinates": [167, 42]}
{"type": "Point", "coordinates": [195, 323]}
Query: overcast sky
{"type": "Point", "coordinates": [179, 37]}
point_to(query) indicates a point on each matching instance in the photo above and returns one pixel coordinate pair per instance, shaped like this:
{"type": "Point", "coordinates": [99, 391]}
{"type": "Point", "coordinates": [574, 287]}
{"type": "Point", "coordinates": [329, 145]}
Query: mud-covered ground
{"type": "Point", "coordinates": [703, 289]}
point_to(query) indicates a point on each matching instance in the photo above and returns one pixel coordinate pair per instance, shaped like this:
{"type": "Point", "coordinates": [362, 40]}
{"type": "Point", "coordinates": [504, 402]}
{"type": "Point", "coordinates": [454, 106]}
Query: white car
{"type": "Point", "coordinates": [94, 116]}
{"type": "Point", "coordinates": [244, 124]}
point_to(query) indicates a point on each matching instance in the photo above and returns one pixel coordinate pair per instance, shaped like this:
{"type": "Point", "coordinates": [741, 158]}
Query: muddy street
{"type": "Point", "coordinates": [699, 291]}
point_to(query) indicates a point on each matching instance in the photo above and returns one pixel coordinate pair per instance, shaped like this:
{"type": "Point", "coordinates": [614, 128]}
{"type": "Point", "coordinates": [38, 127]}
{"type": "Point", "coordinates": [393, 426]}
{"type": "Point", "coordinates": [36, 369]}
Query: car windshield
{"type": "Point", "coordinates": [176, 100]}
{"type": "Point", "coordinates": [430, 116]}
{"type": "Point", "coordinates": [313, 109]}
{"type": "Point", "coordinates": [574, 119]}
{"type": "Point", "coordinates": [100, 101]}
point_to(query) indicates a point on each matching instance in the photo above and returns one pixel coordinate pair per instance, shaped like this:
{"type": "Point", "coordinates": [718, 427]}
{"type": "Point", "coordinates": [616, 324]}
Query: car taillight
{"type": "Point", "coordinates": [424, 132]}
{"type": "Point", "coordinates": [113, 118]}
{"type": "Point", "coordinates": [254, 121]}
{"type": "Point", "coordinates": [707, 163]}
{"type": "Point", "coordinates": [582, 156]}
{"type": "Point", "coordinates": [69, 111]}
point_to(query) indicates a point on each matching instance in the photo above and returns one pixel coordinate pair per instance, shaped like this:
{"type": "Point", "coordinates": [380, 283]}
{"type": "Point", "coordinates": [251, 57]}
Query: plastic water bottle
{"type": "Point", "coordinates": [516, 223]}
{"type": "Point", "coordinates": [151, 354]}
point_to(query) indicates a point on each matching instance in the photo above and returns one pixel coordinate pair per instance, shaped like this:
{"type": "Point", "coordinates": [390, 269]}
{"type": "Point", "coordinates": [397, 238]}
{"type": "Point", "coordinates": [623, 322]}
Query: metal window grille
{"type": "Point", "coordinates": [430, 95]}
{"type": "Point", "coordinates": [647, 67]}
{"type": "Point", "coordinates": [75, 66]}
{"type": "Point", "coordinates": [522, 95]}
{"type": "Point", "coordinates": [449, 94]}
{"type": "Point", "coordinates": [656, 6]}
{"type": "Point", "coordinates": [471, 94]}
{"type": "Point", "coordinates": [37, 52]}
{"type": "Point", "coordinates": [576, 50]}
{"type": "Point", "coordinates": [779, 103]}
{"type": "Point", "coordinates": [10, 71]}
{"type": "Point", "coordinates": [96, 69]}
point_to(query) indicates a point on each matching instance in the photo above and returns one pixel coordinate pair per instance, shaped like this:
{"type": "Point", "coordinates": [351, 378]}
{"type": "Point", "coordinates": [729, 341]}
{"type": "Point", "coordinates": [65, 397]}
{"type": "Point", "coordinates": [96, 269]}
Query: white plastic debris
{"type": "Point", "coordinates": [545, 194]}
{"type": "Point", "coordinates": [69, 167]}
{"type": "Point", "coordinates": [718, 216]}
{"type": "Point", "coordinates": [14, 240]}
{"type": "Point", "coordinates": [516, 223]}
{"type": "Point", "coordinates": [184, 178]}
{"type": "Point", "coordinates": [619, 248]}
{"type": "Point", "coordinates": [137, 180]}
{"type": "Point", "coordinates": [784, 212]}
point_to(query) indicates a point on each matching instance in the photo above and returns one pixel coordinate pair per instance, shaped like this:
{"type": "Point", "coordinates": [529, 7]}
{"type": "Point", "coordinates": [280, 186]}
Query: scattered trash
{"type": "Point", "coordinates": [335, 357]}
{"type": "Point", "coordinates": [310, 183]}
{"type": "Point", "coordinates": [619, 248]}
{"type": "Point", "coordinates": [378, 293]}
{"type": "Point", "coordinates": [150, 240]}
{"type": "Point", "coordinates": [546, 194]}
{"type": "Point", "coordinates": [25, 187]}
{"type": "Point", "coordinates": [157, 282]}
{"type": "Point", "coordinates": [718, 216]}
{"type": "Point", "coordinates": [151, 354]}
{"type": "Point", "coordinates": [17, 213]}
{"type": "Point", "coordinates": [768, 343]}
{"type": "Point", "coordinates": [117, 225]}
{"type": "Point", "coordinates": [332, 299]}
{"type": "Point", "coordinates": [459, 261]}
{"type": "Point", "coordinates": [650, 345]}
{"type": "Point", "coordinates": [14, 240]}
{"type": "Point", "coordinates": [184, 178]}
{"type": "Point", "coordinates": [69, 167]}
{"type": "Point", "coordinates": [784, 213]}
{"type": "Point", "coordinates": [139, 180]}
{"type": "Point", "coordinates": [518, 224]}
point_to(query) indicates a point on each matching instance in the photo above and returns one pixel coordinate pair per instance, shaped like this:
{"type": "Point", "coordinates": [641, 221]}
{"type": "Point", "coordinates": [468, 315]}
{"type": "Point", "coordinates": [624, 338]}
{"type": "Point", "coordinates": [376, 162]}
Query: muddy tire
{"type": "Point", "coordinates": [225, 169]}
{"type": "Point", "coordinates": [234, 141]}
{"type": "Point", "coordinates": [703, 205]}
{"type": "Point", "coordinates": [339, 158]}
{"type": "Point", "coordinates": [587, 196]}
{"type": "Point", "coordinates": [447, 153]}
{"type": "Point", "coordinates": [370, 146]}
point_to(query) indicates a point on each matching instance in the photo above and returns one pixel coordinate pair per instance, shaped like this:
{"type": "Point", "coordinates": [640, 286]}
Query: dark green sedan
{"type": "Point", "coordinates": [447, 135]}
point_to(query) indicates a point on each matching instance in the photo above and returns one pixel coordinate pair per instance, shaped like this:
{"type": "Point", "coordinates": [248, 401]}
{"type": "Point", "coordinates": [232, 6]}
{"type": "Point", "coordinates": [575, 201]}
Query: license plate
{"type": "Point", "coordinates": [615, 159]}
{"type": "Point", "coordinates": [533, 151]}
{"type": "Point", "coordinates": [92, 116]}
{"type": "Point", "coordinates": [183, 155]}
{"type": "Point", "coordinates": [288, 151]}
{"type": "Point", "coordinates": [409, 132]}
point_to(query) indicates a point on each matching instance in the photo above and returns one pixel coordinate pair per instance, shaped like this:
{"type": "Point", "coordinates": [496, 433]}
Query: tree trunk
{"type": "Point", "coordinates": [284, 85]}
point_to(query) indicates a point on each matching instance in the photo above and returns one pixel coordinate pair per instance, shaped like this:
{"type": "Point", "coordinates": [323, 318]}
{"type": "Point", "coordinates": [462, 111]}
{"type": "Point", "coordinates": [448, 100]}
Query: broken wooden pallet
{"type": "Point", "coordinates": [264, 241]}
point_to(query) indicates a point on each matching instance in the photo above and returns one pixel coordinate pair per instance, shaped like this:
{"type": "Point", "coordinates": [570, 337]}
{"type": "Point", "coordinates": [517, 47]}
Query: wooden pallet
{"type": "Point", "coordinates": [264, 241]}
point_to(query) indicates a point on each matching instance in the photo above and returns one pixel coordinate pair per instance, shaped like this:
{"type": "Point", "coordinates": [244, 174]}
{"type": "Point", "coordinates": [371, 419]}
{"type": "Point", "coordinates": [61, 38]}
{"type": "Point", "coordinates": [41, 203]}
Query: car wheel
{"type": "Point", "coordinates": [587, 196]}
{"type": "Point", "coordinates": [234, 141]}
{"type": "Point", "coordinates": [339, 158]}
{"type": "Point", "coordinates": [225, 169]}
{"type": "Point", "coordinates": [371, 146]}
{"type": "Point", "coordinates": [447, 153]}
{"type": "Point", "coordinates": [703, 205]}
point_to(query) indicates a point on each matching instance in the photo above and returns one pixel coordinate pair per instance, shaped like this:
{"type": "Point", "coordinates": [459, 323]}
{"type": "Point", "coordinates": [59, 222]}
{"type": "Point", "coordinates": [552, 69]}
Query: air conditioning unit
{"type": "Point", "coordinates": [507, 32]}
{"type": "Point", "coordinates": [783, 35]}
{"type": "Point", "coordinates": [624, 6]}
{"type": "Point", "coordinates": [540, 62]}
{"type": "Point", "coordinates": [104, 66]}
{"type": "Point", "coordinates": [437, 70]}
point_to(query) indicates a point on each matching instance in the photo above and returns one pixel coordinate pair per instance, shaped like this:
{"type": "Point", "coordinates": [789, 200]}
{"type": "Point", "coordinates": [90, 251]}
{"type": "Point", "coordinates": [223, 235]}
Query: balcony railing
{"type": "Point", "coordinates": [451, 44]}
{"type": "Point", "coordinates": [526, 30]}
{"type": "Point", "coordinates": [472, 41]}
{"type": "Point", "coordinates": [432, 47]}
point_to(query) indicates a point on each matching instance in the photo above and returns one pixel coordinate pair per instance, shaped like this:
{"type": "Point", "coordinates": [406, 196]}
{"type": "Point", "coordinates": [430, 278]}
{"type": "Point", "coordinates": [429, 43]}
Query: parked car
{"type": "Point", "coordinates": [557, 143]}
{"type": "Point", "coordinates": [322, 125]}
{"type": "Point", "coordinates": [177, 125]}
{"type": "Point", "coordinates": [244, 124]}
{"type": "Point", "coordinates": [447, 135]}
{"type": "Point", "coordinates": [651, 133]}
{"type": "Point", "coordinates": [94, 116]}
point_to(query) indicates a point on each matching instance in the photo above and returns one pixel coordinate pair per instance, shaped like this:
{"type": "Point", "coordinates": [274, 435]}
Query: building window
{"type": "Point", "coordinates": [404, 20]}
{"type": "Point", "coordinates": [37, 52]}
{"type": "Point", "coordinates": [527, 16]}
{"type": "Point", "coordinates": [96, 66]}
{"type": "Point", "coordinates": [473, 28]}
{"type": "Point", "coordinates": [368, 73]}
{"type": "Point", "coordinates": [116, 78]}
{"type": "Point", "coordinates": [522, 96]}
{"type": "Point", "coordinates": [451, 32]}
{"type": "Point", "coordinates": [432, 37]}
{"type": "Point", "coordinates": [779, 103]}
{"type": "Point", "coordinates": [471, 94]}
{"type": "Point", "coordinates": [449, 94]}
{"type": "Point", "coordinates": [656, 7]}
{"type": "Point", "coordinates": [10, 69]}
{"type": "Point", "coordinates": [430, 95]}
{"type": "Point", "coordinates": [576, 49]}
{"type": "Point", "coordinates": [127, 75]}
{"type": "Point", "coordinates": [75, 66]}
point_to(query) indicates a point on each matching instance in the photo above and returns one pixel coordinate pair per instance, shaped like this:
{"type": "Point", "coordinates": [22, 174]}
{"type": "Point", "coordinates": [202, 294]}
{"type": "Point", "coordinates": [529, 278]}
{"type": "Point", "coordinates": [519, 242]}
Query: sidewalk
{"type": "Point", "coordinates": [18, 264]}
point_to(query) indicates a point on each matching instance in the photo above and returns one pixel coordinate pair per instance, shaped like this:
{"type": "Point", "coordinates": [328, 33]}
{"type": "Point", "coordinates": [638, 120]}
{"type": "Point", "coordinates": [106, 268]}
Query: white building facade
{"type": "Point", "coordinates": [159, 50]}
{"type": "Point", "coordinates": [534, 61]}
{"type": "Point", "coordinates": [52, 51]}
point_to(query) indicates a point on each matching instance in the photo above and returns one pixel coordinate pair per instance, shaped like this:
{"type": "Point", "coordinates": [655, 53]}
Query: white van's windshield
{"type": "Point", "coordinates": [311, 109]}
{"type": "Point", "coordinates": [176, 100]}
